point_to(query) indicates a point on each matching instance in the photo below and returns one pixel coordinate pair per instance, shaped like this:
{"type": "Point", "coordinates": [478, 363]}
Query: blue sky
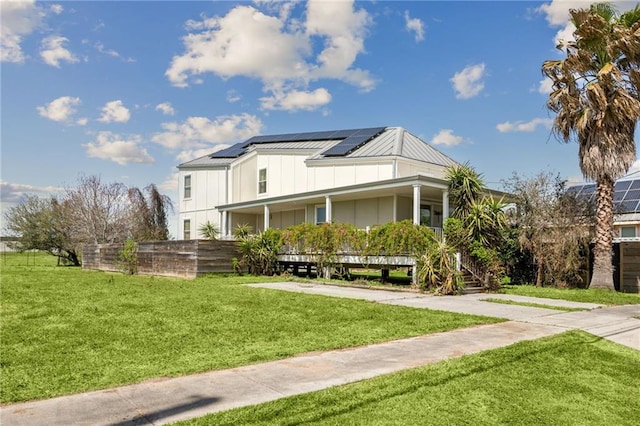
{"type": "Point", "coordinates": [128, 90]}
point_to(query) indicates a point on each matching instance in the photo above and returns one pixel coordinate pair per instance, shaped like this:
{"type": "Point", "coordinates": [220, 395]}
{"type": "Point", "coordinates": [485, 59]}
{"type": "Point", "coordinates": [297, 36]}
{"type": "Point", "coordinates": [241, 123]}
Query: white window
{"type": "Point", "coordinates": [628, 231]}
{"type": "Point", "coordinates": [187, 186]}
{"type": "Point", "coordinates": [321, 214]}
{"type": "Point", "coordinates": [262, 181]}
{"type": "Point", "coordinates": [186, 229]}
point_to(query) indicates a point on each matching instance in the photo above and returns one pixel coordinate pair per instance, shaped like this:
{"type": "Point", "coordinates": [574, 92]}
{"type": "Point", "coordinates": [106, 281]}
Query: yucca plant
{"type": "Point", "coordinates": [437, 269]}
{"type": "Point", "coordinates": [209, 231]}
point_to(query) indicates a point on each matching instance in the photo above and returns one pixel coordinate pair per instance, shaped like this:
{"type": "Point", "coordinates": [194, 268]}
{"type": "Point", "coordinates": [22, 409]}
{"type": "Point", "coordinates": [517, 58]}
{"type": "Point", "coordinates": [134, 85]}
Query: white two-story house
{"type": "Point", "coordinates": [360, 176]}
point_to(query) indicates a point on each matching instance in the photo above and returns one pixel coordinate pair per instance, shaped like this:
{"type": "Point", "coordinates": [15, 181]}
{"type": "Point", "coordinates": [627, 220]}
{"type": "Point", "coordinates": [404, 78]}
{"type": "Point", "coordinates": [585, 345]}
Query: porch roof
{"type": "Point", "coordinates": [431, 188]}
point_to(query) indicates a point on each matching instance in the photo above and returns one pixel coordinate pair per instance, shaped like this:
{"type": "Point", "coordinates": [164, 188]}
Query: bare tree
{"type": "Point", "coordinates": [98, 212]}
{"type": "Point", "coordinates": [554, 226]}
{"type": "Point", "coordinates": [93, 212]}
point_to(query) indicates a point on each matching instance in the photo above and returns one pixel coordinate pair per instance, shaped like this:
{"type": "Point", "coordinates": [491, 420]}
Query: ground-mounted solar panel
{"type": "Point", "coordinates": [635, 184]}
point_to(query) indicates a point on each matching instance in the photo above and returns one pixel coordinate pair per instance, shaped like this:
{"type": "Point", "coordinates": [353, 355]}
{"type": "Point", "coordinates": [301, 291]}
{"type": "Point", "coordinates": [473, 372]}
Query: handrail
{"type": "Point", "coordinates": [472, 266]}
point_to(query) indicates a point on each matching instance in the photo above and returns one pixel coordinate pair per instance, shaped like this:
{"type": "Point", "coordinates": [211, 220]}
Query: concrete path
{"type": "Point", "coordinates": [161, 401]}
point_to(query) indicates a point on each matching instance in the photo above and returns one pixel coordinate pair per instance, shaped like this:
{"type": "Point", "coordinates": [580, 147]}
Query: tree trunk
{"type": "Point", "coordinates": [539, 274]}
{"type": "Point", "coordinates": [602, 264]}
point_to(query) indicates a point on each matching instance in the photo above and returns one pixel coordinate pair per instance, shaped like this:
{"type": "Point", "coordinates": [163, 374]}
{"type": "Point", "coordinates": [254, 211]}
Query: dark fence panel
{"type": "Point", "coordinates": [184, 259]}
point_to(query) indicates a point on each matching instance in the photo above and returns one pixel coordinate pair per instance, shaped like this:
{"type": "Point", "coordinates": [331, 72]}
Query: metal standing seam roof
{"type": "Point", "coordinates": [392, 141]}
{"type": "Point", "coordinates": [297, 145]}
{"type": "Point", "coordinates": [398, 141]}
{"type": "Point", "coordinates": [206, 161]}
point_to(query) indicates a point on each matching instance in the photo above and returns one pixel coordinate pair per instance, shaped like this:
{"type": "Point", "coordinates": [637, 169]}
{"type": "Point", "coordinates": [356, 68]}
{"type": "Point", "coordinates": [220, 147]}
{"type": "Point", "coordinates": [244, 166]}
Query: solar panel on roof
{"type": "Point", "coordinates": [632, 194]}
{"type": "Point", "coordinates": [635, 184]}
{"type": "Point", "coordinates": [231, 152]}
{"type": "Point", "coordinates": [618, 196]}
{"type": "Point", "coordinates": [628, 206]}
{"type": "Point", "coordinates": [352, 142]}
{"type": "Point", "coordinates": [622, 186]}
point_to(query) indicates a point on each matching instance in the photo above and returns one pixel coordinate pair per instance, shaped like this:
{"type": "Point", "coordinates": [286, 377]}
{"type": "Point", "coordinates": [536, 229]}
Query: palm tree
{"type": "Point", "coordinates": [596, 101]}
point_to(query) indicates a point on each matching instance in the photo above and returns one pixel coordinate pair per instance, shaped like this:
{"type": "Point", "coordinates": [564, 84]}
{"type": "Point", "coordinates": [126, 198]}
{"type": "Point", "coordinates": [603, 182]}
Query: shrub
{"type": "Point", "coordinates": [260, 252]}
{"type": "Point", "coordinates": [437, 269]}
{"type": "Point", "coordinates": [128, 257]}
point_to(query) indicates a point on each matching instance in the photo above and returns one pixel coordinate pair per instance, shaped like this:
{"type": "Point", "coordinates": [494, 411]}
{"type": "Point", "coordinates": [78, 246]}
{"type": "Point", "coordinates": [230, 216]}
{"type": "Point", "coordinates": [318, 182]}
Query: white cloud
{"type": "Point", "coordinates": [198, 136]}
{"type": "Point", "coordinates": [468, 82]}
{"type": "Point", "coordinates": [114, 111]}
{"type": "Point", "coordinates": [415, 25]}
{"type": "Point", "coordinates": [296, 100]}
{"type": "Point", "coordinates": [82, 121]}
{"type": "Point", "coordinates": [166, 108]}
{"type": "Point", "coordinates": [233, 96]}
{"type": "Point", "coordinates": [13, 192]}
{"type": "Point", "coordinates": [56, 8]}
{"type": "Point", "coordinates": [60, 109]}
{"type": "Point", "coordinates": [545, 86]}
{"type": "Point", "coordinates": [110, 146]}
{"type": "Point", "coordinates": [447, 138]}
{"type": "Point", "coordinates": [521, 126]}
{"type": "Point", "coordinates": [53, 51]}
{"type": "Point", "coordinates": [275, 49]}
{"type": "Point", "coordinates": [170, 183]}
{"type": "Point", "coordinates": [200, 132]}
{"type": "Point", "coordinates": [110, 52]}
{"type": "Point", "coordinates": [17, 20]}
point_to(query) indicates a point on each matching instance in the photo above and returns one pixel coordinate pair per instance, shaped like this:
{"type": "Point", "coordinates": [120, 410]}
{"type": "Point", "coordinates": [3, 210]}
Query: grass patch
{"type": "Point", "coordinates": [65, 330]}
{"type": "Point", "coordinates": [574, 378]}
{"type": "Point", "coordinates": [533, 305]}
{"type": "Point", "coordinates": [591, 295]}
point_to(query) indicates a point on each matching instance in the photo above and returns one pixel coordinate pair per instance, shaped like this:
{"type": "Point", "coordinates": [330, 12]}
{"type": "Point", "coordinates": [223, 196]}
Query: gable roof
{"type": "Point", "coordinates": [333, 144]}
{"type": "Point", "coordinates": [396, 141]}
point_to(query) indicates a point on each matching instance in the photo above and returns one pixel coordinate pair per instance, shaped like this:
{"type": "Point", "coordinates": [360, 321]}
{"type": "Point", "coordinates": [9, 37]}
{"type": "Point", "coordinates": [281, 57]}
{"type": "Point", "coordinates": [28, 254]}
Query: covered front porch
{"type": "Point", "coordinates": [422, 199]}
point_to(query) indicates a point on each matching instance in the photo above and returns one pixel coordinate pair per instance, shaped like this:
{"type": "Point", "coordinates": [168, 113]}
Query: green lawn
{"type": "Point", "coordinates": [532, 305]}
{"type": "Point", "coordinates": [65, 330]}
{"type": "Point", "coordinates": [603, 297]}
{"type": "Point", "coordinates": [570, 379]}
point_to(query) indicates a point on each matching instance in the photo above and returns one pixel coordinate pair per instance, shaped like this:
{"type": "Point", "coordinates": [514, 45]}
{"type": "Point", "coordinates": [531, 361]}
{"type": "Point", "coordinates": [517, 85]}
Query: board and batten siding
{"type": "Point", "coordinates": [335, 176]}
{"type": "Point", "coordinates": [408, 168]}
{"type": "Point", "coordinates": [244, 178]}
{"type": "Point", "coordinates": [286, 174]}
{"type": "Point", "coordinates": [208, 189]}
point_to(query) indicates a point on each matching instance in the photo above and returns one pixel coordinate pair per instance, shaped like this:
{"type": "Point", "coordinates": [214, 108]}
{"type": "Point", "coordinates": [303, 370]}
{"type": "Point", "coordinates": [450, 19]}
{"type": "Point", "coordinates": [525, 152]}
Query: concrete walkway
{"type": "Point", "coordinates": [163, 401]}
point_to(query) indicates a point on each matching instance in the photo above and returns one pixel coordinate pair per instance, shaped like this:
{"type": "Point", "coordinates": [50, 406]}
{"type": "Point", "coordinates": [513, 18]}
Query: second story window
{"type": "Point", "coordinates": [262, 181]}
{"type": "Point", "coordinates": [187, 186]}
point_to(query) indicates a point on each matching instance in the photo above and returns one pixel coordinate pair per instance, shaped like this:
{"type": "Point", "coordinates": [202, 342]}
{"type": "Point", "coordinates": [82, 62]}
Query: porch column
{"type": "Point", "coordinates": [266, 217]}
{"type": "Point", "coordinates": [224, 231]}
{"type": "Point", "coordinates": [327, 205]}
{"type": "Point", "coordinates": [445, 205]}
{"type": "Point", "coordinates": [416, 204]}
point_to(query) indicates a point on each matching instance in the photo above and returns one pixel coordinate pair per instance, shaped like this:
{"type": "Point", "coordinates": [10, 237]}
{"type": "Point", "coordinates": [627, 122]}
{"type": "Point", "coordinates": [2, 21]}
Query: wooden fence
{"type": "Point", "coordinates": [184, 258]}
